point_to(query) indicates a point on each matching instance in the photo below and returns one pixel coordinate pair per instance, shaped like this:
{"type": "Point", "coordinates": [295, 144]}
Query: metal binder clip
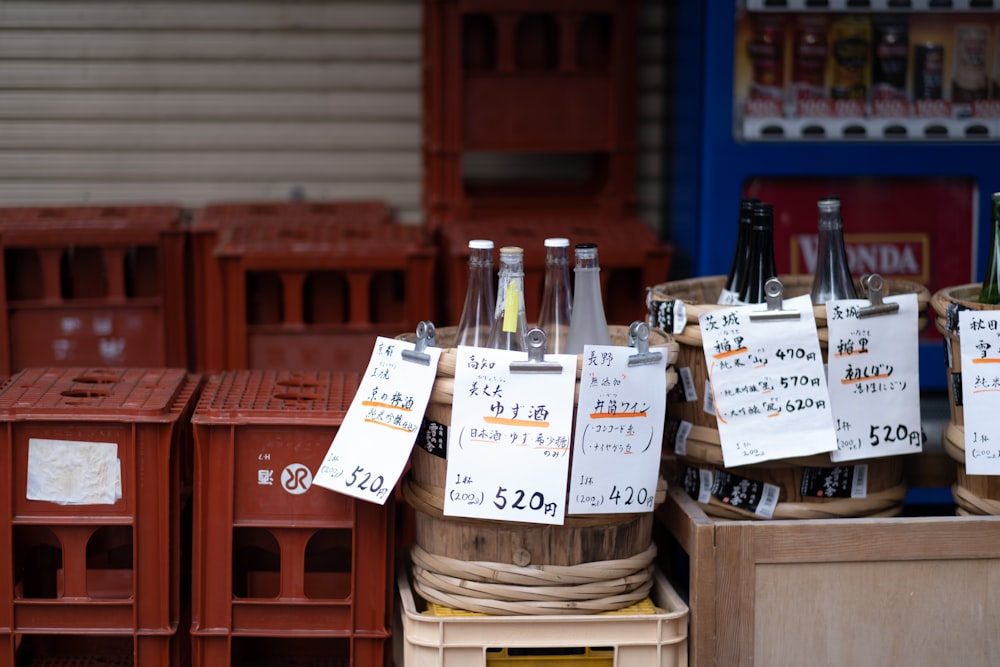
{"type": "Point", "coordinates": [536, 363]}
{"type": "Point", "coordinates": [638, 337]}
{"type": "Point", "coordinates": [772, 294]}
{"type": "Point", "coordinates": [425, 337]}
{"type": "Point", "coordinates": [874, 284]}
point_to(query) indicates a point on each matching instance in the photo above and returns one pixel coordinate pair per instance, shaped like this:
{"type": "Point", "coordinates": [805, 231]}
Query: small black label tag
{"type": "Point", "coordinates": [827, 482]}
{"type": "Point", "coordinates": [433, 438]}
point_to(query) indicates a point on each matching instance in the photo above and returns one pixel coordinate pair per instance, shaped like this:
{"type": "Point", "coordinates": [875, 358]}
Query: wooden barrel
{"type": "Point", "coordinates": [703, 443]}
{"type": "Point", "coordinates": [581, 542]}
{"type": "Point", "coordinates": [973, 494]}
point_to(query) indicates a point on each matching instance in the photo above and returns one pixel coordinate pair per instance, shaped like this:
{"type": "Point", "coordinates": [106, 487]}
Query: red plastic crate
{"type": "Point", "coordinates": [99, 564]}
{"type": "Point", "coordinates": [357, 651]}
{"type": "Point", "coordinates": [94, 285]}
{"type": "Point", "coordinates": [519, 77]}
{"type": "Point", "coordinates": [62, 650]}
{"type": "Point", "coordinates": [315, 296]}
{"type": "Point", "coordinates": [206, 293]}
{"type": "Point", "coordinates": [273, 554]}
{"type": "Point", "coordinates": [630, 255]}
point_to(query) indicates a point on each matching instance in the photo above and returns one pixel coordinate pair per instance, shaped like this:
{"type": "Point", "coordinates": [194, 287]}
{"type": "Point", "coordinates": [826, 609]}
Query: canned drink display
{"type": "Point", "coordinates": [928, 71]}
{"type": "Point", "coordinates": [850, 56]}
{"type": "Point", "coordinates": [891, 50]}
{"type": "Point", "coordinates": [766, 50]}
{"type": "Point", "coordinates": [809, 56]}
{"type": "Point", "coordinates": [969, 80]}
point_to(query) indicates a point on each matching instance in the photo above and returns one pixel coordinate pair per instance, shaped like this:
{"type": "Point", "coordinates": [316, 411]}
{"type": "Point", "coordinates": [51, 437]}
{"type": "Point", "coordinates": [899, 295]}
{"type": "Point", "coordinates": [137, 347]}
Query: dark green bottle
{"type": "Point", "coordinates": [990, 292]}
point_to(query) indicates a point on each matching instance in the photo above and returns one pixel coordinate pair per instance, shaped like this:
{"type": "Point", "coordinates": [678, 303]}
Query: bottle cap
{"type": "Point", "coordinates": [511, 250]}
{"type": "Point", "coordinates": [480, 244]}
{"type": "Point", "coordinates": [829, 202]}
{"type": "Point", "coordinates": [557, 242]}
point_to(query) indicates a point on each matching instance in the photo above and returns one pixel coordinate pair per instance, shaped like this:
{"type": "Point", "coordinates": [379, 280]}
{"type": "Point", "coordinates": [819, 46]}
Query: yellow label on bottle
{"type": "Point", "coordinates": [511, 301]}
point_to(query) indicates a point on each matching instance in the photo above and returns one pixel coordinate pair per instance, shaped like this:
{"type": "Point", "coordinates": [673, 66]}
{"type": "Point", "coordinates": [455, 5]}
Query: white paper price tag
{"type": "Point", "coordinates": [979, 333]}
{"type": "Point", "coordinates": [509, 440]}
{"type": "Point", "coordinates": [373, 444]}
{"type": "Point", "coordinates": [874, 379]}
{"type": "Point", "coordinates": [619, 433]}
{"type": "Point", "coordinates": [768, 384]}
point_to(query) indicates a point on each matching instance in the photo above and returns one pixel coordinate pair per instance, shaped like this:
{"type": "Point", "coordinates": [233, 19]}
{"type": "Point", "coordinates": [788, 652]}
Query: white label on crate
{"type": "Point", "coordinates": [859, 484]}
{"type": "Point", "coordinates": [708, 405]}
{"type": "Point", "coordinates": [617, 443]}
{"type": "Point", "coordinates": [102, 325]}
{"type": "Point", "coordinates": [510, 437]}
{"type": "Point", "coordinates": [373, 444]}
{"type": "Point", "coordinates": [874, 379]}
{"type": "Point", "coordinates": [71, 472]}
{"type": "Point", "coordinates": [687, 382]}
{"type": "Point", "coordinates": [979, 332]}
{"type": "Point", "coordinates": [768, 501]}
{"type": "Point", "coordinates": [681, 439]}
{"type": "Point", "coordinates": [767, 383]}
{"type": "Point", "coordinates": [706, 478]}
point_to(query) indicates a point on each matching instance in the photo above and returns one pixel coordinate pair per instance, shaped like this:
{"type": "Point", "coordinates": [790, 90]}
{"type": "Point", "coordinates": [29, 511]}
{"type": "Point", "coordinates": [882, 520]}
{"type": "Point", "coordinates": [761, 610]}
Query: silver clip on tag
{"type": "Point", "coordinates": [426, 334]}
{"type": "Point", "coordinates": [772, 293]}
{"type": "Point", "coordinates": [536, 356]}
{"type": "Point", "coordinates": [638, 337]}
{"type": "Point", "coordinates": [874, 284]}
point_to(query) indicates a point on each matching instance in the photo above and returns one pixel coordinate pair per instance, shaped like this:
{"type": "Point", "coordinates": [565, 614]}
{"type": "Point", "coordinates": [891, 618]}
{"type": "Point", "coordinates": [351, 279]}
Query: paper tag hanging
{"type": "Point", "coordinates": [619, 433]}
{"type": "Point", "coordinates": [979, 333]}
{"type": "Point", "coordinates": [767, 382]}
{"type": "Point", "coordinates": [874, 379]}
{"type": "Point", "coordinates": [373, 444]}
{"type": "Point", "coordinates": [509, 438]}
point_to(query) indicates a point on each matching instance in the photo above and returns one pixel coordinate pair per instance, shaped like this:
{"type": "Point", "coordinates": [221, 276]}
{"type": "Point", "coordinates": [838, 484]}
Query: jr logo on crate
{"type": "Point", "coordinates": [296, 478]}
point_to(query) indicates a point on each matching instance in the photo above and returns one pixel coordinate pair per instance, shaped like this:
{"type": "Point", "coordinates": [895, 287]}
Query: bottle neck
{"type": "Point", "coordinates": [480, 258]}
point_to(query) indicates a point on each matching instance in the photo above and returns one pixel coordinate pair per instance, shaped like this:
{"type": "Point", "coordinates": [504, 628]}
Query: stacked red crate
{"type": "Point", "coordinates": [275, 557]}
{"type": "Point", "coordinates": [313, 295]}
{"type": "Point", "coordinates": [90, 551]}
{"type": "Point", "coordinates": [92, 285]}
{"type": "Point", "coordinates": [525, 79]}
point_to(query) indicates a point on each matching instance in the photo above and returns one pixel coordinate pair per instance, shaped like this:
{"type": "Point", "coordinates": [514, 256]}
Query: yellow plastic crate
{"type": "Point", "coordinates": [653, 632]}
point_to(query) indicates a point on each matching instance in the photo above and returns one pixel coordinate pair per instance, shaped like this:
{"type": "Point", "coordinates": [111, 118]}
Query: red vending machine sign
{"type": "Point", "coordinates": [915, 229]}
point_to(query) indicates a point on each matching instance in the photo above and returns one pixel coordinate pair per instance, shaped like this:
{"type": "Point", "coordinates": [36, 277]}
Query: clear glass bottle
{"type": "Point", "coordinates": [477, 314]}
{"type": "Point", "coordinates": [509, 323]}
{"type": "Point", "coordinates": [731, 290]}
{"type": "Point", "coordinates": [556, 310]}
{"type": "Point", "coordinates": [832, 279]}
{"type": "Point", "coordinates": [589, 325]}
{"type": "Point", "coordinates": [990, 292]}
{"type": "Point", "coordinates": [760, 265]}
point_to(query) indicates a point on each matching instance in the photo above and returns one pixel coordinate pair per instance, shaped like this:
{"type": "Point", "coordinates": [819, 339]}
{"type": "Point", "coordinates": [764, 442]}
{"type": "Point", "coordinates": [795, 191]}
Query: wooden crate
{"type": "Point", "coordinates": [894, 591]}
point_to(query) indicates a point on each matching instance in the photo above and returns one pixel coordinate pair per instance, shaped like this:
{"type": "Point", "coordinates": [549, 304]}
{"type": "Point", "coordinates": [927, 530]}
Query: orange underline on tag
{"type": "Point", "coordinates": [515, 422]}
{"type": "Point", "coordinates": [980, 391]}
{"type": "Point", "coordinates": [392, 426]}
{"type": "Point", "coordinates": [849, 354]}
{"type": "Point", "coordinates": [483, 440]}
{"type": "Point", "coordinates": [986, 361]}
{"type": "Point", "coordinates": [617, 415]}
{"type": "Point", "coordinates": [774, 414]}
{"type": "Point", "coordinates": [730, 353]}
{"type": "Point", "coordinates": [376, 404]}
{"type": "Point", "coordinates": [873, 377]}
{"type": "Point", "coordinates": [554, 449]}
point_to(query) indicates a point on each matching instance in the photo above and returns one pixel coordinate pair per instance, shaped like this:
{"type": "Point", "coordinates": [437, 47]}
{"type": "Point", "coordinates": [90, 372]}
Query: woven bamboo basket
{"type": "Point", "coordinates": [973, 494]}
{"type": "Point", "coordinates": [591, 563]}
{"type": "Point", "coordinates": [885, 475]}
